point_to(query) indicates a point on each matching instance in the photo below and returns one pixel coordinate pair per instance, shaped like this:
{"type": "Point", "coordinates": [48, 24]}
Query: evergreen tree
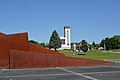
{"type": "Point", "coordinates": [93, 44]}
{"type": "Point", "coordinates": [54, 41]}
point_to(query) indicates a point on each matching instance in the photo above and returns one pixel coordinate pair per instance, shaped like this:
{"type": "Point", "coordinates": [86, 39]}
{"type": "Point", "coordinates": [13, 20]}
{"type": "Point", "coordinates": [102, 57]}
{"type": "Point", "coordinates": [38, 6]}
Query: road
{"type": "Point", "coordinates": [103, 72]}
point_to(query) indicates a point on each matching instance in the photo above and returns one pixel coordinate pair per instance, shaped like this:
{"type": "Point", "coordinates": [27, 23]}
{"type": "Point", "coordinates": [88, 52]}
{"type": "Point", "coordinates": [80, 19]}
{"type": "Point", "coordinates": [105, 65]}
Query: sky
{"type": "Point", "coordinates": [90, 20]}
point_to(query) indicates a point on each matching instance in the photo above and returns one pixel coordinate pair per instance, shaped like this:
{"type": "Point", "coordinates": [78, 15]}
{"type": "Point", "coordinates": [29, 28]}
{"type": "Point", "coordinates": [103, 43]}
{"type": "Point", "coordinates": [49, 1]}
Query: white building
{"type": "Point", "coordinates": [66, 40]}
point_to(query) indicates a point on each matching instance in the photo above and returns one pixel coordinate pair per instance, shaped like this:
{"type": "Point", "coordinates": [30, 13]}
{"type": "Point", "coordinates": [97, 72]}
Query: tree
{"type": "Point", "coordinates": [84, 46]}
{"type": "Point", "coordinates": [102, 43]}
{"type": "Point", "coordinates": [43, 45]}
{"type": "Point", "coordinates": [90, 46]}
{"type": "Point", "coordinates": [54, 41]}
{"type": "Point", "coordinates": [34, 42]}
{"type": "Point", "coordinates": [39, 44]}
{"type": "Point", "coordinates": [111, 43]}
{"type": "Point", "coordinates": [93, 44]}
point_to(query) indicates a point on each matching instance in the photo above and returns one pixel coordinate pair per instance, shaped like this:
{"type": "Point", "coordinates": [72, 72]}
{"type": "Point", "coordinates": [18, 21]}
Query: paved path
{"type": "Point", "coordinates": [63, 73]}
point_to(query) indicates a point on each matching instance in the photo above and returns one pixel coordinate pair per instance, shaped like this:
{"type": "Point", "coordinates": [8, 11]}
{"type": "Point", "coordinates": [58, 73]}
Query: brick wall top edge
{"type": "Point", "coordinates": [18, 33]}
{"type": "Point", "coordinates": [1, 33]}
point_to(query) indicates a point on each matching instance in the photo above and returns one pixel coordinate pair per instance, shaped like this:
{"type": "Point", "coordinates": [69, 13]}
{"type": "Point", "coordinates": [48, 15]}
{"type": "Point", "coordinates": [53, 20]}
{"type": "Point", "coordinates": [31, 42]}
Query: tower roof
{"type": "Point", "coordinates": [67, 27]}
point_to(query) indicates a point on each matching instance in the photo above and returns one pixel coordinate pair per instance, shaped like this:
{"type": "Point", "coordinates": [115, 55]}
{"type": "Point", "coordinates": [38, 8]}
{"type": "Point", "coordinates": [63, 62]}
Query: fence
{"type": "Point", "coordinates": [38, 49]}
{"type": "Point", "coordinates": [24, 59]}
{"type": "Point", "coordinates": [17, 52]}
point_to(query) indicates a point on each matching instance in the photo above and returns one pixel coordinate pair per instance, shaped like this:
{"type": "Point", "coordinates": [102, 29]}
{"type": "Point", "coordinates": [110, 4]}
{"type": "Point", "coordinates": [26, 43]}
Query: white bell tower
{"type": "Point", "coordinates": [67, 37]}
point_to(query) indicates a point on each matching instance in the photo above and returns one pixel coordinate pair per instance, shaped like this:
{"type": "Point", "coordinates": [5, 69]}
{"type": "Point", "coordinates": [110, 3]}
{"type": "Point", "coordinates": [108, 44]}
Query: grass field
{"type": "Point", "coordinates": [96, 55]}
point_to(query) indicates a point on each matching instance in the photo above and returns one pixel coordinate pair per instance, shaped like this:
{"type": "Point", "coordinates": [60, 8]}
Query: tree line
{"type": "Point", "coordinates": [106, 44]}
{"type": "Point", "coordinates": [45, 45]}
{"type": "Point", "coordinates": [111, 43]}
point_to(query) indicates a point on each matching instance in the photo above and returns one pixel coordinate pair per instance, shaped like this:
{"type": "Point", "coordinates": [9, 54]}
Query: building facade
{"type": "Point", "coordinates": [66, 39]}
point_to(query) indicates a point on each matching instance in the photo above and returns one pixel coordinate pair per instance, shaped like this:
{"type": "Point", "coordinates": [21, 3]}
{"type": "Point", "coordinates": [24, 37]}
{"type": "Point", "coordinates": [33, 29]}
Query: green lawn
{"type": "Point", "coordinates": [96, 55]}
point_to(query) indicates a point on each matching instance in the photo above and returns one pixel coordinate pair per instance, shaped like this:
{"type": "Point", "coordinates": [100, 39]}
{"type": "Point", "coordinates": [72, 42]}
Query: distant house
{"type": "Point", "coordinates": [76, 46]}
{"type": "Point", "coordinates": [100, 48]}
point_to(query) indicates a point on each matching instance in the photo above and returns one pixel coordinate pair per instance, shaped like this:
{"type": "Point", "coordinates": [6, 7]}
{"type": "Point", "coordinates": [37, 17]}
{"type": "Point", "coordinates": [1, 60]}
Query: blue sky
{"type": "Point", "coordinates": [91, 20]}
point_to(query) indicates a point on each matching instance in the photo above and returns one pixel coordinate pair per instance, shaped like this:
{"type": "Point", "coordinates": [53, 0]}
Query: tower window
{"type": "Point", "coordinates": [67, 36]}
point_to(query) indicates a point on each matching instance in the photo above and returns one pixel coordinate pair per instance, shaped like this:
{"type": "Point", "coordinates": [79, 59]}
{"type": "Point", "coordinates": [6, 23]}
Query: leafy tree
{"type": "Point", "coordinates": [39, 44]}
{"type": "Point", "coordinates": [111, 43]}
{"type": "Point", "coordinates": [84, 46]}
{"type": "Point", "coordinates": [107, 43]}
{"type": "Point", "coordinates": [54, 41]}
{"type": "Point", "coordinates": [34, 42]}
{"type": "Point", "coordinates": [90, 46]}
{"type": "Point", "coordinates": [102, 43]}
{"type": "Point", "coordinates": [43, 44]}
{"type": "Point", "coordinates": [115, 42]}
